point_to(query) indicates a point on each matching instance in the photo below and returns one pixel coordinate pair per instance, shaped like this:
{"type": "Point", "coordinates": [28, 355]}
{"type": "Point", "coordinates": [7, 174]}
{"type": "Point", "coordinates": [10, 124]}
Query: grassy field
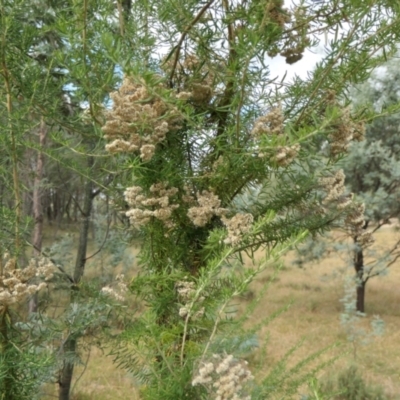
{"type": "Point", "coordinates": [314, 316]}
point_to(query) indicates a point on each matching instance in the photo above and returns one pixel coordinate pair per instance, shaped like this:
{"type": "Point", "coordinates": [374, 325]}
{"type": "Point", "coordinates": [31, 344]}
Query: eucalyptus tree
{"type": "Point", "coordinates": [372, 171]}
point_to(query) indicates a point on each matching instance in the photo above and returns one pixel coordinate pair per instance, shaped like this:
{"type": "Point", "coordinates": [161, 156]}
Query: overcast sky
{"type": "Point", "coordinates": [278, 65]}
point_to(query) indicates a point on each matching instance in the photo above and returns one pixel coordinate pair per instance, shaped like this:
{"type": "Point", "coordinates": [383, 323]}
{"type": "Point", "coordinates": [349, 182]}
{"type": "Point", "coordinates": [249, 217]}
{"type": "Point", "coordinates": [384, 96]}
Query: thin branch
{"type": "Point", "coordinates": [60, 268]}
{"type": "Point", "coordinates": [216, 323]}
{"type": "Point", "coordinates": [229, 89]}
{"type": "Point", "coordinates": [345, 47]}
{"type": "Point", "coordinates": [17, 197]}
{"type": "Point", "coordinates": [183, 36]}
{"type": "Point", "coordinates": [121, 19]}
{"type": "Point", "coordinates": [102, 244]}
{"type": "Point", "coordinates": [83, 371]}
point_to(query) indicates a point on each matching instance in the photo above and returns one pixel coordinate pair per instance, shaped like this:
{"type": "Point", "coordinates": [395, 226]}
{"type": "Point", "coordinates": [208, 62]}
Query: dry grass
{"type": "Point", "coordinates": [100, 379]}
{"type": "Point", "coordinates": [314, 316]}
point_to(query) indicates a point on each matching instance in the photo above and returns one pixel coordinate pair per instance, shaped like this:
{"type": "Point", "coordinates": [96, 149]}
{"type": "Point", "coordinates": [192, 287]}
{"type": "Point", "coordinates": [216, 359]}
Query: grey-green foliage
{"type": "Point", "coordinates": [112, 242]}
{"type": "Point", "coordinates": [351, 320]}
{"type": "Point", "coordinates": [372, 169]}
{"type": "Point", "coordinates": [349, 385]}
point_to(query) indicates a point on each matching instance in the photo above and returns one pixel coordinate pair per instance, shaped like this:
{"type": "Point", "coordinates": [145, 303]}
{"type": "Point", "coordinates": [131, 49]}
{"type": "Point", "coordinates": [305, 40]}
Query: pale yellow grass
{"type": "Point", "coordinates": [314, 316]}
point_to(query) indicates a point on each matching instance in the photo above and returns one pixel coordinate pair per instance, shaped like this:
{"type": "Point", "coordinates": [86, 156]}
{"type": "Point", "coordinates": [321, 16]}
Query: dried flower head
{"type": "Point", "coordinates": [184, 95]}
{"type": "Point", "coordinates": [138, 121]}
{"type": "Point", "coordinates": [186, 291]}
{"type": "Point", "coordinates": [275, 12]}
{"type": "Point", "coordinates": [15, 283]}
{"type": "Point", "coordinates": [333, 186]}
{"type": "Point", "coordinates": [225, 377]}
{"type": "Point", "coordinates": [194, 79]}
{"type": "Point", "coordinates": [237, 226]}
{"type": "Point", "coordinates": [285, 155]}
{"type": "Point", "coordinates": [144, 208]}
{"type": "Point", "coordinates": [344, 132]}
{"type": "Point", "coordinates": [269, 124]}
{"type": "Point", "coordinates": [208, 205]}
{"type": "Point", "coordinates": [355, 223]}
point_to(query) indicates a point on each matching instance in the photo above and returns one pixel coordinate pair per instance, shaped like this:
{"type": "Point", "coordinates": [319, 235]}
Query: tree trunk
{"type": "Point", "coordinates": [68, 369]}
{"type": "Point", "coordinates": [8, 379]}
{"type": "Point", "coordinates": [361, 282]}
{"type": "Point", "coordinates": [70, 345]}
{"type": "Point", "coordinates": [77, 196]}
{"type": "Point", "coordinates": [67, 209]}
{"type": "Point", "coordinates": [361, 297]}
{"type": "Point", "coordinates": [48, 206]}
{"type": "Point", "coordinates": [37, 207]}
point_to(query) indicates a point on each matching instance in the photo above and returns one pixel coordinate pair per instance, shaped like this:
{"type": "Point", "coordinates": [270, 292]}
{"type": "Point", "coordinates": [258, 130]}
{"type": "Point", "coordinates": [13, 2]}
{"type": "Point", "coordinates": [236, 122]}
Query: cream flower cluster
{"type": "Point", "coordinates": [237, 226]}
{"type": "Point", "coordinates": [188, 196]}
{"type": "Point", "coordinates": [14, 282]}
{"type": "Point", "coordinates": [117, 291]}
{"type": "Point", "coordinates": [344, 132]}
{"type": "Point", "coordinates": [225, 377]}
{"type": "Point", "coordinates": [208, 205]}
{"type": "Point", "coordinates": [354, 224]}
{"type": "Point", "coordinates": [335, 192]}
{"type": "Point", "coordinates": [333, 186]}
{"type": "Point", "coordinates": [138, 120]}
{"type": "Point", "coordinates": [186, 291]}
{"type": "Point", "coordinates": [269, 124]}
{"type": "Point", "coordinates": [143, 208]}
{"type": "Point", "coordinates": [273, 124]}
{"type": "Point", "coordinates": [285, 155]}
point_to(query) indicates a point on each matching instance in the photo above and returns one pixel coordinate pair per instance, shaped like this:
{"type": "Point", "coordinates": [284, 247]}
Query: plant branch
{"type": "Point", "coordinates": [183, 36]}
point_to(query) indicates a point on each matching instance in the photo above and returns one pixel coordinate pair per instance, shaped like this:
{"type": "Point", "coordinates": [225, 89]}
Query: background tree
{"type": "Point", "coordinates": [44, 98]}
{"type": "Point", "coordinates": [372, 170]}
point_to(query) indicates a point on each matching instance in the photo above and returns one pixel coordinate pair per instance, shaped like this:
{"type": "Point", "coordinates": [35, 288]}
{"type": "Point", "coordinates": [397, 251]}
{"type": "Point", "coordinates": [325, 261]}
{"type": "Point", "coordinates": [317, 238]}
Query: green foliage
{"type": "Point", "coordinates": [349, 386]}
{"type": "Point", "coordinates": [24, 367]}
{"type": "Point", "coordinates": [222, 160]}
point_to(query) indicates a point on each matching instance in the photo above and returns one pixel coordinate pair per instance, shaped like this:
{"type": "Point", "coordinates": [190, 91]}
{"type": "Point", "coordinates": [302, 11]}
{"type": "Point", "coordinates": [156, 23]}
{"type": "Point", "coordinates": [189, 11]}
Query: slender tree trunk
{"type": "Point", "coordinates": [48, 206]}
{"type": "Point", "coordinates": [70, 345]}
{"type": "Point", "coordinates": [7, 384]}
{"type": "Point", "coordinates": [60, 207]}
{"type": "Point", "coordinates": [361, 282]}
{"type": "Point", "coordinates": [361, 297]}
{"type": "Point", "coordinates": [38, 207]}
{"type": "Point", "coordinates": [77, 196]}
{"type": "Point", "coordinates": [65, 380]}
{"type": "Point", "coordinates": [67, 209]}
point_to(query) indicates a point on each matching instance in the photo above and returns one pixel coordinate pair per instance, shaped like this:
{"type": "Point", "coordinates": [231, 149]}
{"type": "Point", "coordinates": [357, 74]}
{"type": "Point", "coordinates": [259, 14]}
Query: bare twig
{"type": "Point", "coordinates": [183, 36]}
{"type": "Point", "coordinates": [102, 244]}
